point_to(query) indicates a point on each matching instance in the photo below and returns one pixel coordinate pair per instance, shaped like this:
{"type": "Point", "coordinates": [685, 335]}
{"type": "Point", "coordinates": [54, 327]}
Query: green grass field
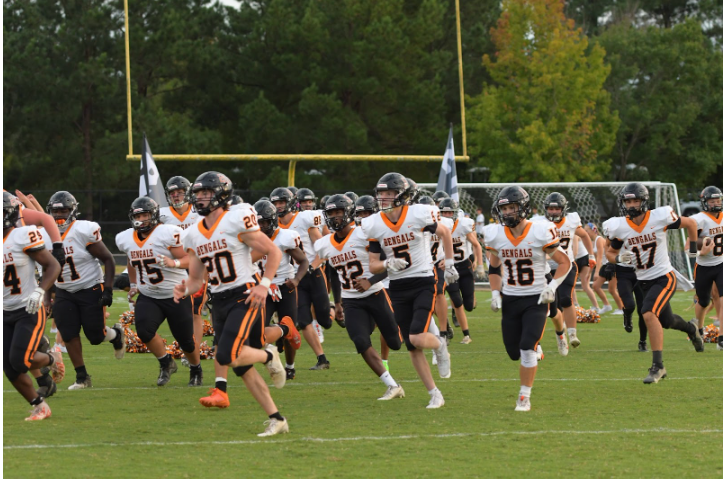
{"type": "Point", "coordinates": [591, 417]}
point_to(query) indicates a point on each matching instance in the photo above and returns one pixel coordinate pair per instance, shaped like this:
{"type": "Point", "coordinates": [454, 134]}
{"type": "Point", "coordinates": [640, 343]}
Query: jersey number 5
{"type": "Point", "coordinates": [402, 253]}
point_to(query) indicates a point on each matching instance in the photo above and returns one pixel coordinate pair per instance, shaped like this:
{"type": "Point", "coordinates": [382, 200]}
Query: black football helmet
{"type": "Point", "coordinates": [268, 213]}
{"type": "Point", "coordinates": [264, 198]}
{"type": "Point", "coordinates": [221, 187]}
{"type": "Point", "coordinates": [439, 195]}
{"type": "Point", "coordinates": [426, 200]}
{"type": "Point", "coordinates": [513, 195]}
{"type": "Point", "coordinates": [335, 202]}
{"type": "Point", "coordinates": [495, 214]}
{"type": "Point", "coordinates": [292, 189]}
{"type": "Point", "coordinates": [139, 206]}
{"type": "Point", "coordinates": [283, 193]}
{"type": "Point", "coordinates": [11, 210]}
{"type": "Point", "coordinates": [396, 182]}
{"type": "Point", "coordinates": [555, 199]}
{"type": "Point", "coordinates": [449, 205]}
{"type": "Point", "coordinates": [235, 199]}
{"type": "Point", "coordinates": [175, 183]}
{"type": "Point", "coordinates": [634, 190]}
{"type": "Point", "coordinates": [711, 192]}
{"type": "Point", "coordinates": [62, 200]}
{"type": "Point", "coordinates": [305, 194]}
{"type": "Point", "coordinates": [351, 195]}
{"type": "Point", "coordinates": [365, 203]}
{"type": "Point", "coordinates": [414, 191]}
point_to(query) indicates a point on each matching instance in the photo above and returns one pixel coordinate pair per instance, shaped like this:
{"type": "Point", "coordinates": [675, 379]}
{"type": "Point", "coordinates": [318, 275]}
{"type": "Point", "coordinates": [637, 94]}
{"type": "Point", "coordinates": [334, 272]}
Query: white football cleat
{"type": "Point", "coordinates": [275, 426]}
{"type": "Point", "coordinates": [434, 361]}
{"type": "Point", "coordinates": [392, 392]}
{"type": "Point", "coordinates": [444, 360]}
{"type": "Point", "coordinates": [539, 353]}
{"type": "Point", "coordinates": [523, 404]}
{"type": "Point", "coordinates": [605, 309]}
{"type": "Point", "coordinates": [562, 344]}
{"type": "Point", "coordinates": [437, 400]}
{"type": "Point", "coordinates": [466, 340]}
{"type": "Point", "coordinates": [275, 367]}
{"type": "Point", "coordinates": [39, 412]}
{"type": "Point", "coordinates": [574, 341]}
{"type": "Point", "coordinates": [617, 312]}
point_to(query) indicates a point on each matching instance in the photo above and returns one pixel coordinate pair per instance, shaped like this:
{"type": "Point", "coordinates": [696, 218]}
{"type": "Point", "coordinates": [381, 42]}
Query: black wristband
{"type": "Point", "coordinates": [693, 247]}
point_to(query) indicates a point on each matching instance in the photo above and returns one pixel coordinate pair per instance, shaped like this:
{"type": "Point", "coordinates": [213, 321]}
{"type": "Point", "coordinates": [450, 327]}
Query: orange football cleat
{"type": "Point", "coordinates": [293, 336]}
{"type": "Point", "coordinates": [41, 411]}
{"type": "Point", "coordinates": [216, 399]}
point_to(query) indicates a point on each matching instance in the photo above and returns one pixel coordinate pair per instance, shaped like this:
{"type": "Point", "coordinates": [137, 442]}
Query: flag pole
{"type": "Point", "coordinates": [128, 75]}
{"type": "Point", "coordinates": [145, 166]}
{"type": "Point", "coordinates": [461, 80]}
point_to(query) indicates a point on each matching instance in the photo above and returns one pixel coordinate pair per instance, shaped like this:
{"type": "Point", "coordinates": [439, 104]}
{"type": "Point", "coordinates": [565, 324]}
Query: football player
{"type": "Point", "coordinates": [23, 312]}
{"type": "Point", "coordinates": [568, 226]}
{"type": "Point", "coordinates": [312, 290]}
{"type": "Point", "coordinates": [582, 260]}
{"type": "Point", "coordinates": [286, 279]}
{"type": "Point", "coordinates": [709, 262]}
{"type": "Point", "coordinates": [626, 282]}
{"type": "Point", "coordinates": [83, 290]}
{"type": "Point", "coordinates": [599, 246]}
{"type": "Point", "coordinates": [398, 231]}
{"type": "Point", "coordinates": [366, 304]}
{"type": "Point", "coordinates": [464, 237]}
{"type": "Point", "coordinates": [181, 214]}
{"type": "Point", "coordinates": [222, 241]}
{"type": "Point", "coordinates": [642, 232]}
{"type": "Point", "coordinates": [156, 262]}
{"type": "Point", "coordinates": [517, 268]}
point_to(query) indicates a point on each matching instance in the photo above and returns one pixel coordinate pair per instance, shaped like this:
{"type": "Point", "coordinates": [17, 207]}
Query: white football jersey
{"type": "Point", "coordinates": [227, 258]}
{"type": "Point", "coordinates": [711, 226]}
{"type": "Point", "coordinates": [301, 222]}
{"type": "Point", "coordinates": [437, 247]}
{"type": "Point", "coordinates": [169, 216]}
{"type": "Point", "coordinates": [285, 240]}
{"type": "Point", "coordinates": [18, 268]}
{"type": "Point", "coordinates": [462, 247]}
{"type": "Point", "coordinates": [81, 270]}
{"type": "Point", "coordinates": [524, 261]}
{"type": "Point", "coordinates": [350, 259]}
{"type": "Point", "coordinates": [648, 241]}
{"type": "Point", "coordinates": [152, 278]}
{"type": "Point", "coordinates": [404, 239]}
{"type": "Point", "coordinates": [566, 228]}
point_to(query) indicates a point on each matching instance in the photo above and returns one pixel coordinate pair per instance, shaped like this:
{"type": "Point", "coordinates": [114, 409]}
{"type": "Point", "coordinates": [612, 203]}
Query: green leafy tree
{"type": "Point", "coordinates": [546, 117]}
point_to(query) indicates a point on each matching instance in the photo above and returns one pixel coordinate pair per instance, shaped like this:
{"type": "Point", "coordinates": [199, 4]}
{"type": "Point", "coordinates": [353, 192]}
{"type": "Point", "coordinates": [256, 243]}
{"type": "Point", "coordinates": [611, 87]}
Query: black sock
{"type": "Point", "coordinates": [700, 331]}
{"type": "Point", "coordinates": [44, 380]}
{"type": "Point", "coordinates": [221, 385]}
{"type": "Point", "coordinates": [465, 331]}
{"type": "Point", "coordinates": [285, 329]}
{"type": "Point", "coordinates": [559, 333]}
{"type": "Point", "coordinates": [81, 373]}
{"type": "Point", "coordinates": [277, 416]}
{"type": "Point", "coordinates": [36, 401]}
{"type": "Point", "coordinates": [166, 360]}
{"type": "Point", "coordinates": [720, 340]}
{"type": "Point", "coordinates": [322, 359]}
{"type": "Point", "coordinates": [658, 358]}
{"type": "Point", "coordinates": [269, 356]}
{"type": "Point", "coordinates": [198, 367]}
{"type": "Point", "coordinates": [442, 333]}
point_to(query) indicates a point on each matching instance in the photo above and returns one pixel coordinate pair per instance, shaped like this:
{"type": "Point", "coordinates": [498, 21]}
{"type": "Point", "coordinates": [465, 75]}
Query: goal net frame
{"type": "Point", "coordinates": [594, 201]}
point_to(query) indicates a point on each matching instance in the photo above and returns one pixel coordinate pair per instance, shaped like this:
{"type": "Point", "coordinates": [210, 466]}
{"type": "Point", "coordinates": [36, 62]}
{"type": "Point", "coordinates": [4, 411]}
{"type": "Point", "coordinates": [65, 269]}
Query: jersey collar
{"type": "Point", "coordinates": [208, 232]}
{"type": "Point", "coordinates": [717, 218]}
{"type": "Point", "coordinates": [63, 235]}
{"type": "Point", "coordinates": [181, 217]}
{"type": "Point", "coordinates": [287, 226]}
{"type": "Point", "coordinates": [395, 227]}
{"type": "Point", "coordinates": [639, 228]}
{"type": "Point", "coordinates": [139, 241]}
{"type": "Point", "coordinates": [339, 245]}
{"type": "Point", "coordinates": [453, 229]}
{"type": "Point", "coordinates": [274, 234]}
{"type": "Point", "coordinates": [516, 240]}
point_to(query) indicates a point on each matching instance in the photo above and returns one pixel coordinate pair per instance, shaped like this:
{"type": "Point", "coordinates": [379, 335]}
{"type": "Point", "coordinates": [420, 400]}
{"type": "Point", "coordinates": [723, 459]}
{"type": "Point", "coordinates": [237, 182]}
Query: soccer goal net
{"type": "Point", "coordinates": [595, 202]}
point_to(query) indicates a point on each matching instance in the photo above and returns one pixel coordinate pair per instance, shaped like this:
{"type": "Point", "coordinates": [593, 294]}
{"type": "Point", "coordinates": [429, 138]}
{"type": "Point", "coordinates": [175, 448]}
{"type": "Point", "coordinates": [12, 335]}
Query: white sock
{"type": "Point", "coordinates": [290, 366]}
{"type": "Point", "coordinates": [572, 331]}
{"type": "Point", "coordinates": [220, 379]}
{"type": "Point", "coordinates": [110, 334]}
{"type": "Point", "coordinates": [525, 391]}
{"type": "Point", "coordinates": [433, 391]}
{"type": "Point", "coordinates": [433, 328]}
{"type": "Point", "coordinates": [162, 357]}
{"type": "Point", "coordinates": [388, 379]}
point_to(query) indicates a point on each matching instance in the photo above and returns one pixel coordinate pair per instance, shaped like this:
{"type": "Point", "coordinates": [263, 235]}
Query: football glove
{"type": "Point", "coordinates": [496, 301]}
{"type": "Point", "coordinates": [626, 257]}
{"type": "Point", "coordinates": [451, 275]}
{"type": "Point", "coordinates": [35, 300]}
{"type": "Point", "coordinates": [395, 264]}
{"type": "Point", "coordinates": [480, 271]}
{"type": "Point", "coordinates": [59, 253]}
{"type": "Point", "coordinates": [274, 292]}
{"type": "Point", "coordinates": [591, 260]}
{"type": "Point", "coordinates": [106, 298]}
{"type": "Point", "coordinates": [547, 296]}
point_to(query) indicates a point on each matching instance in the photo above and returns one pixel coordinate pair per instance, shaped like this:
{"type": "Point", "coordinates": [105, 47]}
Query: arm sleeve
{"type": "Point", "coordinates": [378, 277]}
{"type": "Point", "coordinates": [374, 246]}
{"type": "Point", "coordinates": [616, 244]}
{"type": "Point", "coordinates": [431, 228]}
{"type": "Point", "coordinates": [674, 225]}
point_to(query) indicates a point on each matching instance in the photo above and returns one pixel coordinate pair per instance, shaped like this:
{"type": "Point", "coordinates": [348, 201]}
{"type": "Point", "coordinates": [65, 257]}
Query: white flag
{"type": "Point", "coordinates": [149, 181]}
{"type": "Point", "coordinates": [447, 175]}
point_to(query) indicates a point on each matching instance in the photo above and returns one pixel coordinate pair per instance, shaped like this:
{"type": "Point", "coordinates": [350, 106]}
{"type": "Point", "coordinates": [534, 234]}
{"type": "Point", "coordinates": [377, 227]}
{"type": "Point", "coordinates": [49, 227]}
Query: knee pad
{"type": "Point", "coordinates": [469, 304]}
{"type": "Point", "coordinates": [455, 297]}
{"type": "Point", "coordinates": [224, 359]}
{"type": "Point", "coordinates": [11, 373]}
{"type": "Point", "coordinates": [326, 322]}
{"type": "Point", "coordinates": [96, 338]}
{"type": "Point", "coordinates": [241, 370]}
{"type": "Point", "coordinates": [565, 302]}
{"type": "Point", "coordinates": [704, 301]}
{"type": "Point", "coordinates": [513, 353]}
{"type": "Point", "coordinates": [187, 346]}
{"type": "Point", "coordinates": [529, 358]}
{"type": "Point", "coordinates": [394, 344]}
{"type": "Point", "coordinates": [362, 343]}
{"type": "Point", "coordinates": [144, 335]}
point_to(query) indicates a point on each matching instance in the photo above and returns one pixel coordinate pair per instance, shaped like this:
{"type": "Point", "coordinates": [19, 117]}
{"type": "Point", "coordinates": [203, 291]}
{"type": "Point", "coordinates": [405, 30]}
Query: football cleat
{"type": "Point", "coordinates": [449, 333]}
{"type": "Point", "coordinates": [617, 312]}
{"type": "Point", "coordinates": [47, 391]}
{"type": "Point", "coordinates": [165, 373]}
{"type": "Point", "coordinates": [436, 401]}
{"type": "Point", "coordinates": [465, 340]}
{"type": "Point", "coordinates": [216, 399]}
{"type": "Point", "coordinates": [39, 412]}
{"type": "Point", "coordinates": [293, 335]}
{"type": "Point", "coordinates": [574, 341]}
{"type": "Point", "coordinates": [196, 378]}
{"type": "Point", "coordinates": [321, 366]}
{"type": "Point", "coordinates": [289, 373]}
{"type": "Point", "coordinates": [523, 404]}
{"type": "Point", "coordinates": [455, 320]}
{"type": "Point", "coordinates": [434, 361]}
{"type": "Point", "coordinates": [392, 392]}
{"type": "Point", "coordinates": [275, 426]}
{"type": "Point", "coordinates": [696, 338]}
{"type": "Point", "coordinates": [539, 353]}
{"type": "Point", "coordinates": [628, 323]}
{"type": "Point", "coordinates": [604, 309]}
{"type": "Point", "coordinates": [275, 367]}
{"type": "Point", "coordinates": [642, 346]}
{"type": "Point", "coordinates": [58, 369]}
{"type": "Point", "coordinates": [444, 360]}
{"type": "Point", "coordinates": [655, 374]}
{"type": "Point", "coordinates": [562, 344]}
{"type": "Point", "coordinates": [119, 342]}
{"type": "Point", "coordinates": [81, 384]}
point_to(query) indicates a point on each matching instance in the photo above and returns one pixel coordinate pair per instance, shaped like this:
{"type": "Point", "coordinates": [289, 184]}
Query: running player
{"type": "Point", "coordinates": [517, 268]}
{"type": "Point", "coordinates": [156, 262]}
{"type": "Point", "coordinates": [642, 232]}
{"type": "Point", "coordinates": [398, 231]}
{"type": "Point", "coordinates": [222, 241]}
